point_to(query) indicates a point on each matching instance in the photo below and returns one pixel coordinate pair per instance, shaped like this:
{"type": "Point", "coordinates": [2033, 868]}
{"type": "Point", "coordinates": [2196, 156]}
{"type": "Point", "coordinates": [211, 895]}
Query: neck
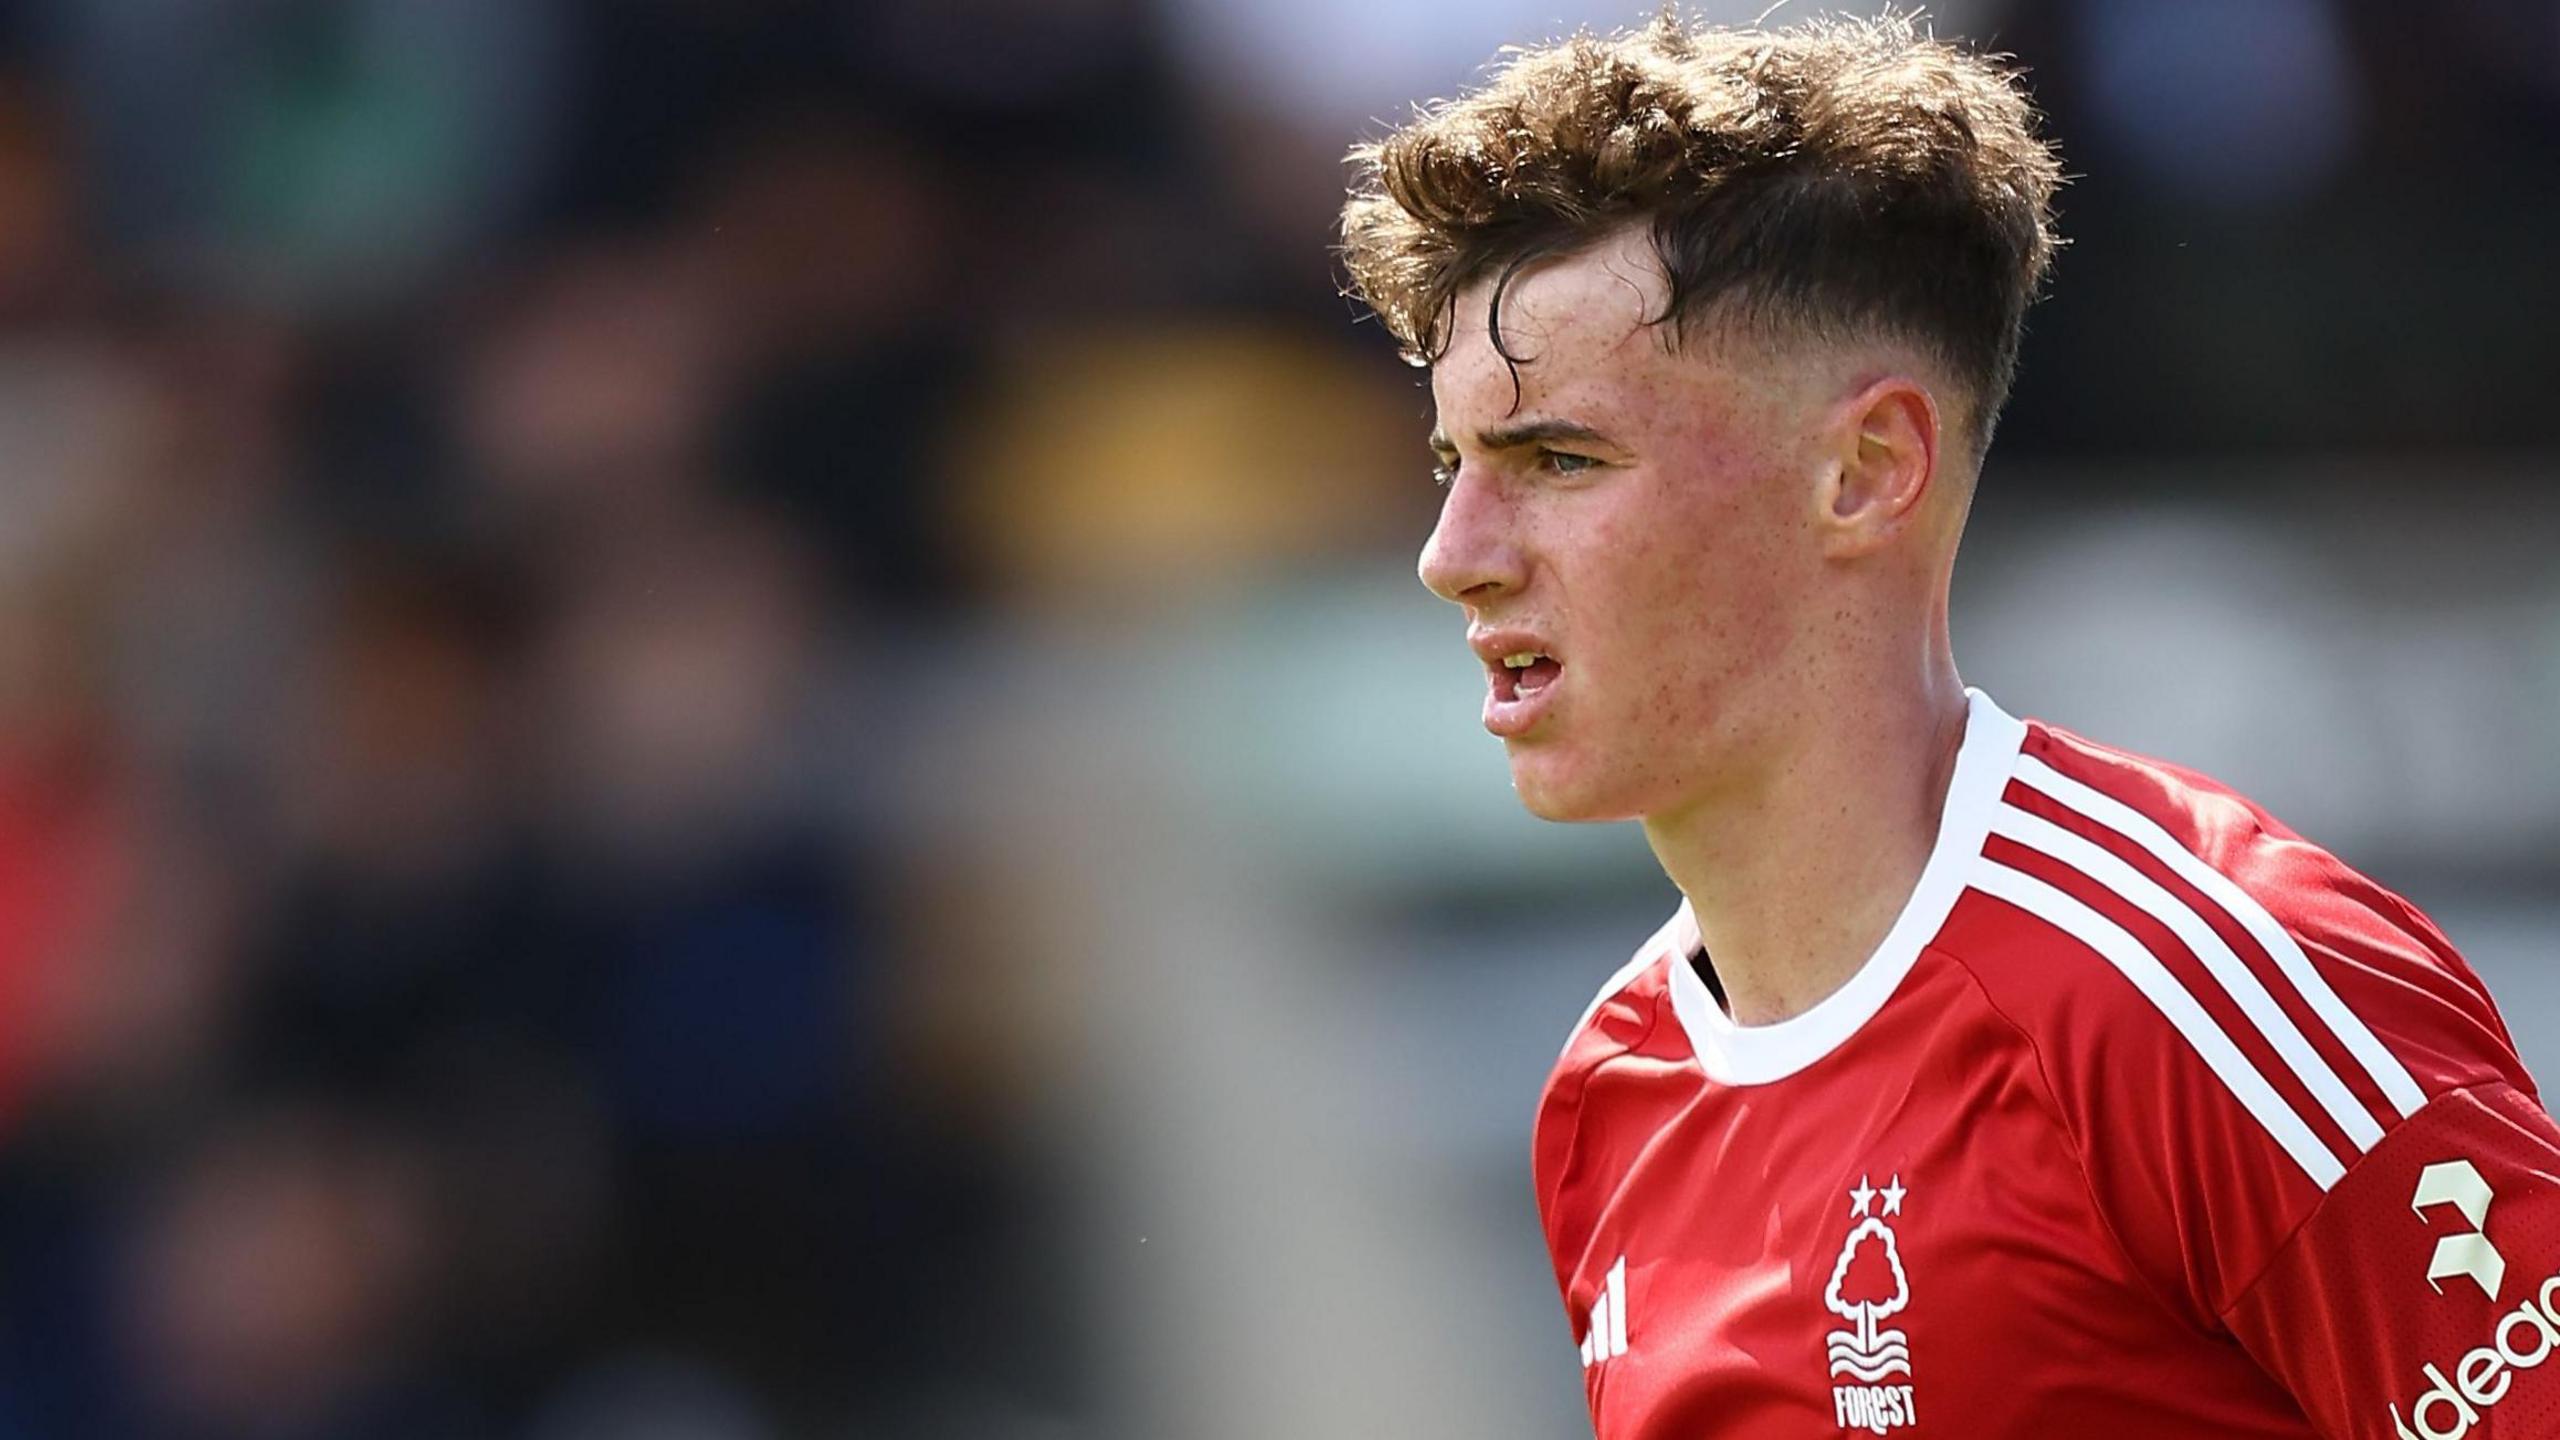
{"type": "Point", "coordinates": [1796, 876]}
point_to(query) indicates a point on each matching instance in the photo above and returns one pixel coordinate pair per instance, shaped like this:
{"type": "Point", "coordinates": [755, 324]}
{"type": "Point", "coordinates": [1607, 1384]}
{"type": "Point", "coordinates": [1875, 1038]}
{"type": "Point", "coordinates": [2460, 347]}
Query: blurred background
{"type": "Point", "coordinates": [714, 725]}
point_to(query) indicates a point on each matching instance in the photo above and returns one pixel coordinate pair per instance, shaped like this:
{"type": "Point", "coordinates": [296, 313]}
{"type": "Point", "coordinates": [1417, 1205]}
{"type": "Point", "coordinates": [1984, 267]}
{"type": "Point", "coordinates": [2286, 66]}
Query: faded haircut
{"type": "Point", "coordinates": [1832, 180]}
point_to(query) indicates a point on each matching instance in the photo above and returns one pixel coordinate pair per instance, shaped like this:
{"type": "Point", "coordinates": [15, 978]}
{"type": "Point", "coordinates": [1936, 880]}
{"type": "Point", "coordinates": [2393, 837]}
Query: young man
{"type": "Point", "coordinates": [1989, 1082]}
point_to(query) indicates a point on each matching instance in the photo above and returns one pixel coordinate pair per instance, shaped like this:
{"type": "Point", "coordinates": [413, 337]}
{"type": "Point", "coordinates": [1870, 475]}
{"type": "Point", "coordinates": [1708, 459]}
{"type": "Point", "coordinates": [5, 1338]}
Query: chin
{"type": "Point", "coordinates": [1548, 790]}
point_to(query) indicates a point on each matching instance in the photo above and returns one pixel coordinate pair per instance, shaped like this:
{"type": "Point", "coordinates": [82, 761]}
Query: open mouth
{"type": "Point", "coordinates": [1524, 673]}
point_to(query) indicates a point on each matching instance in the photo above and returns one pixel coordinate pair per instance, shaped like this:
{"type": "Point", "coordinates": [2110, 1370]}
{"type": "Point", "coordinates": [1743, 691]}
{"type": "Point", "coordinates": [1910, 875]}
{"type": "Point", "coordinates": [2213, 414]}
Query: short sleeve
{"type": "Point", "coordinates": [2300, 1117]}
{"type": "Point", "coordinates": [2231, 1019]}
{"type": "Point", "coordinates": [2422, 1296]}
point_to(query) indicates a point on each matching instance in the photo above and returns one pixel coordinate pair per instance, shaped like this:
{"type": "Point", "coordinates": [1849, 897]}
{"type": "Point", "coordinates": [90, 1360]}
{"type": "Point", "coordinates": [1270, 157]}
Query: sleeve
{"type": "Point", "coordinates": [2399, 1278]}
{"type": "Point", "coordinates": [2303, 1124]}
{"type": "Point", "coordinates": [2421, 1298]}
{"type": "Point", "coordinates": [2218, 1112]}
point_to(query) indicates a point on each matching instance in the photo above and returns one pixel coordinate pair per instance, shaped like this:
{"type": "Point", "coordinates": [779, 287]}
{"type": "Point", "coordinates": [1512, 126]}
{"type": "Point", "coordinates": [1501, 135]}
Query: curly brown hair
{"type": "Point", "coordinates": [1833, 179]}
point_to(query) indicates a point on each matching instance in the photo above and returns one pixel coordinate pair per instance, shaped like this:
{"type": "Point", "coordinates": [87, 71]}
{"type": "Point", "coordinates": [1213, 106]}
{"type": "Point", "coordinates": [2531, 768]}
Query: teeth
{"type": "Point", "coordinates": [1522, 660]}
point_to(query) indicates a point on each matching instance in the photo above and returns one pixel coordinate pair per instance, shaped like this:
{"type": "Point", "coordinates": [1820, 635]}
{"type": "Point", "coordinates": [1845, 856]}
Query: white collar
{"type": "Point", "coordinates": [1758, 1054]}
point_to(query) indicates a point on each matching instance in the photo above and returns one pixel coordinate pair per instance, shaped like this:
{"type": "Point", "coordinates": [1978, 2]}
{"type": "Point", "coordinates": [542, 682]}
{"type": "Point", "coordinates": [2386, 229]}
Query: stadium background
{"type": "Point", "coordinates": [713, 723]}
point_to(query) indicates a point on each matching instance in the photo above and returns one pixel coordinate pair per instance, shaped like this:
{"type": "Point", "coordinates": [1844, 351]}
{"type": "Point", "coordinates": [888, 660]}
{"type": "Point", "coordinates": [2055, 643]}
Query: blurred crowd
{"type": "Point", "coordinates": [505, 508]}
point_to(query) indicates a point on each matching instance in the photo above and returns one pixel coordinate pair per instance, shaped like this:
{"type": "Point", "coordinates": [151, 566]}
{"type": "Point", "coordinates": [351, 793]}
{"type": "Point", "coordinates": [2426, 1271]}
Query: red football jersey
{"type": "Point", "coordinates": [2148, 1118]}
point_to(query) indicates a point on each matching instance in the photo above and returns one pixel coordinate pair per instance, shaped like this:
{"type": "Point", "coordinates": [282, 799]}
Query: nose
{"type": "Point", "coordinates": [1472, 555]}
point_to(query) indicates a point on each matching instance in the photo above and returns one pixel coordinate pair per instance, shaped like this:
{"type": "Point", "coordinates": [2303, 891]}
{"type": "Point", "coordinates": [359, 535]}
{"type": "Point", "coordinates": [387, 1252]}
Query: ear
{"type": "Point", "coordinates": [1884, 454]}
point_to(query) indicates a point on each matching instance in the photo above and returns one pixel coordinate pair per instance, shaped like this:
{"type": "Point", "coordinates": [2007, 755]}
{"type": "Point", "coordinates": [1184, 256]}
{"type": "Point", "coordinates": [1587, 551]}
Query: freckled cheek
{"type": "Point", "coordinates": [1679, 608]}
{"type": "Point", "coordinates": [1701, 628]}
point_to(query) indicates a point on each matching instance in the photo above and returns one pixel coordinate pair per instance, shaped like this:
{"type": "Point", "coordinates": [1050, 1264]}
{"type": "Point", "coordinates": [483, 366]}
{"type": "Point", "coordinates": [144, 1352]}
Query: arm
{"type": "Point", "coordinates": [2422, 1297]}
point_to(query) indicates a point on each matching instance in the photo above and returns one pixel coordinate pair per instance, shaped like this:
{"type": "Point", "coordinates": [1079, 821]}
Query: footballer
{"type": "Point", "coordinates": [1988, 1081]}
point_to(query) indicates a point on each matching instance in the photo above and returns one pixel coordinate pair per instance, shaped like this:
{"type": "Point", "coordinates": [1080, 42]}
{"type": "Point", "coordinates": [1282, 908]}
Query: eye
{"type": "Point", "coordinates": [1565, 462]}
{"type": "Point", "coordinates": [1444, 473]}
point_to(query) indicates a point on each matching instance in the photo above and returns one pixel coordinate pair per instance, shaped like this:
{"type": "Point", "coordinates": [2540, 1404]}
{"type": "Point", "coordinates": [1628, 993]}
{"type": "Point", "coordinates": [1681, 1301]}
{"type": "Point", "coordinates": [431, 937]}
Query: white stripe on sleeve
{"type": "Point", "coordinates": [1618, 1308]}
{"type": "Point", "coordinates": [2385, 1068]}
{"type": "Point", "coordinates": [2171, 999]}
{"type": "Point", "coordinates": [2236, 978]}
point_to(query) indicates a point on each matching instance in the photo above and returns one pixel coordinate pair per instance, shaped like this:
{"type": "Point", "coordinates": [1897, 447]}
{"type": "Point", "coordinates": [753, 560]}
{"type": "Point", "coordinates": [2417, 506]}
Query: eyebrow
{"type": "Point", "coordinates": [1524, 432]}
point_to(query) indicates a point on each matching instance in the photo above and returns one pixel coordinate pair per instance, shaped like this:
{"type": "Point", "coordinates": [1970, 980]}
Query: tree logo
{"type": "Point", "coordinates": [1868, 1287]}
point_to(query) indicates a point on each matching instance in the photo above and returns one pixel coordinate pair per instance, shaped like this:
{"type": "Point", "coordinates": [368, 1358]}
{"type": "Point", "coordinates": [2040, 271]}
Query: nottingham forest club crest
{"type": "Point", "coordinates": [1869, 1287]}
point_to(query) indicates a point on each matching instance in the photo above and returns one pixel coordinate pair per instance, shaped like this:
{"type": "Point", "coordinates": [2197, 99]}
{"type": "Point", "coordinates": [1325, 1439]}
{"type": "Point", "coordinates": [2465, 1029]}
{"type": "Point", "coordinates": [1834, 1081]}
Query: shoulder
{"type": "Point", "coordinates": [2228, 1017]}
{"type": "Point", "coordinates": [2225, 1015]}
{"type": "Point", "coordinates": [1621, 998]}
{"type": "Point", "coordinates": [1622, 1021]}
{"type": "Point", "coordinates": [2228, 925]}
